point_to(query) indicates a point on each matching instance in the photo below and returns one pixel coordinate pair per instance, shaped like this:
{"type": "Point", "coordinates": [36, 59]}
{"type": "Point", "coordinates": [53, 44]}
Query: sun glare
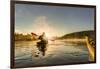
{"type": "Point", "coordinates": [41, 24]}
{"type": "Point", "coordinates": [48, 35]}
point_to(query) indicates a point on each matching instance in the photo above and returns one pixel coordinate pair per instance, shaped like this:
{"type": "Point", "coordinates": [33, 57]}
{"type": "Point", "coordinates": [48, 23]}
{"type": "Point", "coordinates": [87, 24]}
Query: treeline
{"type": "Point", "coordinates": [22, 37]}
{"type": "Point", "coordinates": [81, 34]}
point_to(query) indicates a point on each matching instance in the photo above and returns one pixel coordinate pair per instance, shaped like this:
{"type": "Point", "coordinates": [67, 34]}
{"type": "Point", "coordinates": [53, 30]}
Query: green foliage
{"type": "Point", "coordinates": [22, 37]}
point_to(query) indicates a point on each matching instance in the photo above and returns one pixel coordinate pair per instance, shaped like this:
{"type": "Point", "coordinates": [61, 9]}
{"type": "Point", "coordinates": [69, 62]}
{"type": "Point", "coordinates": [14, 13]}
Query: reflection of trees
{"type": "Point", "coordinates": [22, 37]}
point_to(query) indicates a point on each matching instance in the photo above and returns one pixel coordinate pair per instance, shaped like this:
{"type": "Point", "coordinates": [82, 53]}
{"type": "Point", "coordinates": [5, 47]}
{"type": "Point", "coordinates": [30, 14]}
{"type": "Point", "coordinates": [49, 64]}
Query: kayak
{"type": "Point", "coordinates": [91, 49]}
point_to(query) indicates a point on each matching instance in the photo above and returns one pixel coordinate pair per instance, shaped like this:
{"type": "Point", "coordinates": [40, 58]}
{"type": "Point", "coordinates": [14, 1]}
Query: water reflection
{"type": "Point", "coordinates": [58, 52]}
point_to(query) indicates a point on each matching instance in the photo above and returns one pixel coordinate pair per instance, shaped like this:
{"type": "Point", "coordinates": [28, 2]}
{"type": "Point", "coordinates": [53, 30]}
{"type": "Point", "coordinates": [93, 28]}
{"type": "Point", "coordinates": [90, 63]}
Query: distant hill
{"type": "Point", "coordinates": [80, 34]}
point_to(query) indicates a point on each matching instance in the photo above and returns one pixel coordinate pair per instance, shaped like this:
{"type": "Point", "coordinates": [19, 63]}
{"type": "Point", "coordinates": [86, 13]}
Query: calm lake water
{"type": "Point", "coordinates": [58, 52]}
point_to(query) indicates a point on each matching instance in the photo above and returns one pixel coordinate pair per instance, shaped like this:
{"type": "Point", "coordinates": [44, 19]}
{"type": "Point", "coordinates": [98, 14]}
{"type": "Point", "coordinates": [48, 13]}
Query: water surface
{"type": "Point", "coordinates": [58, 52]}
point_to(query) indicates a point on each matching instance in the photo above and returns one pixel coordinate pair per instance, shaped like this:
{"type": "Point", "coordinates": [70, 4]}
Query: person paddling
{"type": "Point", "coordinates": [42, 42]}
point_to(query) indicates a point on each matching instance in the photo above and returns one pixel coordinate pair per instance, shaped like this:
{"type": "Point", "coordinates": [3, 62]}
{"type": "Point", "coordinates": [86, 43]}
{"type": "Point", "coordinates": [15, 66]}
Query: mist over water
{"type": "Point", "coordinates": [58, 52]}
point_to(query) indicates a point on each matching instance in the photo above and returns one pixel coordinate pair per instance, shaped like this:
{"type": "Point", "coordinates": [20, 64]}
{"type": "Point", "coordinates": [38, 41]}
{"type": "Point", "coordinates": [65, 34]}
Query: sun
{"type": "Point", "coordinates": [48, 35]}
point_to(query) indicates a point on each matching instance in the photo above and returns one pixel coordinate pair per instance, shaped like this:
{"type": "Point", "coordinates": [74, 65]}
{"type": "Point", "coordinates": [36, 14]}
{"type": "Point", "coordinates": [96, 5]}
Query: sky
{"type": "Point", "coordinates": [53, 20]}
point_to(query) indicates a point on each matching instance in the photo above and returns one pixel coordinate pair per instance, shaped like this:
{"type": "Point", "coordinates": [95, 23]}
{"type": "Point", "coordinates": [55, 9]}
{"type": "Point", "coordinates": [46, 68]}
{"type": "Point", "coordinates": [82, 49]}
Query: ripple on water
{"type": "Point", "coordinates": [57, 53]}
